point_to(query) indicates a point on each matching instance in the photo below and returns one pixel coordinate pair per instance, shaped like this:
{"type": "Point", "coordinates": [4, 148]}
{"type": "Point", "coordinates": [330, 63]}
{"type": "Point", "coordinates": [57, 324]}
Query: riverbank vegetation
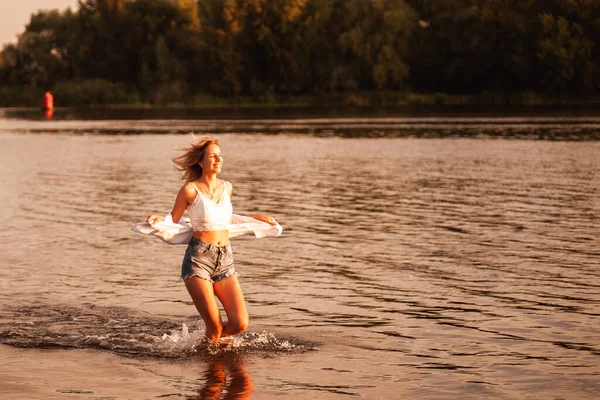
{"type": "Point", "coordinates": [307, 52]}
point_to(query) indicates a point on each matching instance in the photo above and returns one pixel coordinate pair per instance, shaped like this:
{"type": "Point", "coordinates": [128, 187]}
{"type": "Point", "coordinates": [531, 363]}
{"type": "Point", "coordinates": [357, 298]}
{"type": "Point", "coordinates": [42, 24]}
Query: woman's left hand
{"type": "Point", "coordinates": [265, 218]}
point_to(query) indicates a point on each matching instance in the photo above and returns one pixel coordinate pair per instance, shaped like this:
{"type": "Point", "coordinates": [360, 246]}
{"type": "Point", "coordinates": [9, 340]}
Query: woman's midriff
{"type": "Point", "coordinates": [218, 238]}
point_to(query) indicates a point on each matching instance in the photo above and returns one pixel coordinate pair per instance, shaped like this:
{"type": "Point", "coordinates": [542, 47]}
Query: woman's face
{"type": "Point", "coordinates": [213, 160]}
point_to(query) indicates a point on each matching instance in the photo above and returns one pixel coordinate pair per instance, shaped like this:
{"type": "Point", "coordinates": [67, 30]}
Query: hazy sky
{"type": "Point", "coordinates": [14, 14]}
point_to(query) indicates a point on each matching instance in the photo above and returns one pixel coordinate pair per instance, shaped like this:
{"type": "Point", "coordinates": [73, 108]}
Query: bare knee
{"type": "Point", "coordinates": [243, 324]}
{"type": "Point", "coordinates": [238, 326]}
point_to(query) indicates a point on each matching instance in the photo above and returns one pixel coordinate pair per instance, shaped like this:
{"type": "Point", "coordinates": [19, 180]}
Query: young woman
{"type": "Point", "coordinates": [207, 268]}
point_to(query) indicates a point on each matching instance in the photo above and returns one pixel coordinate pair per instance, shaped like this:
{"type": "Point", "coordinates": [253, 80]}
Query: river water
{"type": "Point", "coordinates": [425, 256]}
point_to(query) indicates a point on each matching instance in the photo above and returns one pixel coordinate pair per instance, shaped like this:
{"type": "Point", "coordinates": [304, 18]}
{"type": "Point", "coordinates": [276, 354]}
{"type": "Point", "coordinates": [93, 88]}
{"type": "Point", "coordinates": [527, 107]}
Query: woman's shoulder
{"type": "Point", "coordinates": [189, 189]}
{"type": "Point", "coordinates": [228, 186]}
{"type": "Point", "coordinates": [188, 186]}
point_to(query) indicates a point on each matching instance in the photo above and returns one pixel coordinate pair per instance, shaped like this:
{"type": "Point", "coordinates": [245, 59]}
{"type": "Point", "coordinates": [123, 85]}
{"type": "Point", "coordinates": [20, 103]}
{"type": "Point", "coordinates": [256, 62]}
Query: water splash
{"type": "Point", "coordinates": [183, 341]}
{"type": "Point", "coordinates": [127, 332]}
{"type": "Point", "coordinates": [179, 342]}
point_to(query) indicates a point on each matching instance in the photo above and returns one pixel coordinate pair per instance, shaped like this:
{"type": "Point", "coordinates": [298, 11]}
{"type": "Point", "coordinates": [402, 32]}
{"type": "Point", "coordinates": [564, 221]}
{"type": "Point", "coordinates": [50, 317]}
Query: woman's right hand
{"type": "Point", "coordinates": [265, 218]}
{"type": "Point", "coordinates": [153, 219]}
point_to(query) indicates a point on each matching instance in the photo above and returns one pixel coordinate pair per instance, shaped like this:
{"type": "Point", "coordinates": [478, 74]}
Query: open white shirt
{"type": "Point", "coordinates": [181, 232]}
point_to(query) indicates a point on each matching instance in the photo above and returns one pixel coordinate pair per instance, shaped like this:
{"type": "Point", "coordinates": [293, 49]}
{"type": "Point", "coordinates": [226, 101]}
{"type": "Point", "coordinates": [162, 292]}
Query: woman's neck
{"type": "Point", "coordinates": [209, 180]}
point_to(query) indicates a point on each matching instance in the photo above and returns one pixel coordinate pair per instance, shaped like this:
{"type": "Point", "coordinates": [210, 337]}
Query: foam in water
{"type": "Point", "coordinates": [183, 341]}
{"type": "Point", "coordinates": [180, 341]}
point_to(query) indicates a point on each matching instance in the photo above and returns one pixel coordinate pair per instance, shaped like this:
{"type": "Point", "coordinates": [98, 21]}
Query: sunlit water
{"type": "Point", "coordinates": [425, 257]}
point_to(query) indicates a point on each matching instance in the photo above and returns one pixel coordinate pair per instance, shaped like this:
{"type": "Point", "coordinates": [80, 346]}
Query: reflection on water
{"type": "Point", "coordinates": [226, 378]}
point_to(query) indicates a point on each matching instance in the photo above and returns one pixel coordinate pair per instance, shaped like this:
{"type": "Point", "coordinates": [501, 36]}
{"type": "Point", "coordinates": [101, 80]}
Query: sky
{"type": "Point", "coordinates": [15, 14]}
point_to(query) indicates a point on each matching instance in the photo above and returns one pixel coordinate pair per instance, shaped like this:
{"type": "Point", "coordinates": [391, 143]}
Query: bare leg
{"type": "Point", "coordinates": [203, 295]}
{"type": "Point", "coordinates": [230, 294]}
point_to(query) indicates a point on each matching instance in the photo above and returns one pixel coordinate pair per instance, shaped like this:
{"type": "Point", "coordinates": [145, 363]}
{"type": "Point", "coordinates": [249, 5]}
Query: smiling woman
{"type": "Point", "coordinates": [207, 268]}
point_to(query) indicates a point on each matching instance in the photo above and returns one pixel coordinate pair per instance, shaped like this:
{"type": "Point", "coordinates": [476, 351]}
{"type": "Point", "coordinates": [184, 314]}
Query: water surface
{"type": "Point", "coordinates": [430, 257]}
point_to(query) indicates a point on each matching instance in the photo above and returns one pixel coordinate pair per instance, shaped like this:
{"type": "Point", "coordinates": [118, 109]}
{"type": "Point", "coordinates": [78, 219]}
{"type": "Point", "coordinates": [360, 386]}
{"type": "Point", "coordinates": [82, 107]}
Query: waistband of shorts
{"type": "Point", "coordinates": [209, 245]}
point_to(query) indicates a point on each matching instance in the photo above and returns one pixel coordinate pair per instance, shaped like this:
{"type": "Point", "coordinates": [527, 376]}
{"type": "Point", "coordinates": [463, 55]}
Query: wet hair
{"type": "Point", "coordinates": [187, 163]}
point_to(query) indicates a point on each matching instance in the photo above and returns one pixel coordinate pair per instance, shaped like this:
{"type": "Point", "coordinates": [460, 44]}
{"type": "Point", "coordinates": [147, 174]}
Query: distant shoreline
{"type": "Point", "coordinates": [33, 97]}
{"type": "Point", "coordinates": [387, 115]}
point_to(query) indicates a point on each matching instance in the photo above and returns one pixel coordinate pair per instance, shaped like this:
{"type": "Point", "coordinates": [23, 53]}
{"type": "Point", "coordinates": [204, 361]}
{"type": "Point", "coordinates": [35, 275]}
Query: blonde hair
{"type": "Point", "coordinates": [187, 163]}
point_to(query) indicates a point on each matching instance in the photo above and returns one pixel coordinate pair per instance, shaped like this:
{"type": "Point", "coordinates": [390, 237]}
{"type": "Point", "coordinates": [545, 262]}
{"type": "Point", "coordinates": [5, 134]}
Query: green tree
{"type": "Point", "coordinates": [561, 50]}
{"type": "Point", "coordinates": [39, 57]}
{"type": "Point", "coordinates": [167, 49]}
{"type": "Point", "coordinates": [375, 40]}
{"type": "Point", "coordinates": [255, 45]}
{"type": "Point", "coordinates": [153, 21]}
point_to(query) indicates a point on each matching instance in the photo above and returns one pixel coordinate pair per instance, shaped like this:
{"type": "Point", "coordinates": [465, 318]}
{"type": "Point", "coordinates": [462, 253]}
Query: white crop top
{"type": "Point", "coordinates": [208, 215]}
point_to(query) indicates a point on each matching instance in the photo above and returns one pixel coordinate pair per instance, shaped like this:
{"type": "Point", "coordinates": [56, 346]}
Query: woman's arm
{"type": "Point", "coordinates": [260, 217]}
{"type": "Point", "coordinates": [185, 196]}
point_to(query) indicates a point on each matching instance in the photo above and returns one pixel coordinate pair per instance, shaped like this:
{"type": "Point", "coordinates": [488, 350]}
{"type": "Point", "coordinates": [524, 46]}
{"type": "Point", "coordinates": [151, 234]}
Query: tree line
{"type": "Point", "coordinates": [161, 51]}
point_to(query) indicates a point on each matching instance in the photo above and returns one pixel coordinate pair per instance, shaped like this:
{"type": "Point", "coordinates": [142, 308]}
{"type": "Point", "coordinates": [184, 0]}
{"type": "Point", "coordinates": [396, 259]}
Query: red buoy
{"type": "Point", "coordinates": [48, 101]}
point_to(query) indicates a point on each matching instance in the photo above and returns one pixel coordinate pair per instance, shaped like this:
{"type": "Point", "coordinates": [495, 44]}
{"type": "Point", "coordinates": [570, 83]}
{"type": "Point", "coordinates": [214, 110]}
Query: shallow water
{"type": "Point", "coordinates": [422, 256]}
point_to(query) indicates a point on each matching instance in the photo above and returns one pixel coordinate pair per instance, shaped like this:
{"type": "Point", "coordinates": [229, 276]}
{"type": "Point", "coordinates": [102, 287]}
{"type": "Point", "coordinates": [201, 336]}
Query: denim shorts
{"type": "Point", "coordinates": [207, 261]}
